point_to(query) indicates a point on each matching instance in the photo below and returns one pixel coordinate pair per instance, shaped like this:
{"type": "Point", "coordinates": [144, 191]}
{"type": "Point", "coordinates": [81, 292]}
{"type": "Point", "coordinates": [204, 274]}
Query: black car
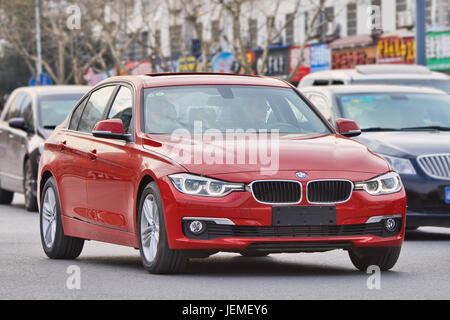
{"type": "Point", "coordinates": [410, 128]}
{"type": "Point", "coordinates": [28, 118]}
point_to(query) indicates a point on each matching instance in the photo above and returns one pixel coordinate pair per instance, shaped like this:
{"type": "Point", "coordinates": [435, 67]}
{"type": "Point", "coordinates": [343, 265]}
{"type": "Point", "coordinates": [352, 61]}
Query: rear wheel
{"type": "Point", "coordinates": [29, 190]}
{"type": "Point", "coordinates": [6, 197]}
{"type": "Point", "coordinates": [55, 243]}
{"type": "Point", "coordinates": [156, 255]}
{"type": "Point", "coordinates": [384, 257]}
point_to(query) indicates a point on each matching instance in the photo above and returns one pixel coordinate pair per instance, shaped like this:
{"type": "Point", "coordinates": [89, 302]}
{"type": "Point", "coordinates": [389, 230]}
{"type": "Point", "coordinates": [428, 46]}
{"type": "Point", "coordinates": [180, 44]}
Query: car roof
{"type": "Point", "coordinates": [343, 89]}
{"type": "Point", "coordinates": [182, 79]}
{"type": "Point", "coordinates": [55, 89]}
{"type": "Point", "coordinates": [375, 72]}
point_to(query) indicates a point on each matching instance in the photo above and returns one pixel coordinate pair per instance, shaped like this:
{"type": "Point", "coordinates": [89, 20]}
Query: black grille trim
{"type": "Point", "coordinates": [277, 191]}
{"type": "Point", "coordinates": [329, 191]}
{"type": "Point", "coordinates": [303, 246]}
{"type": "Point", "coordinates": [216, 231]}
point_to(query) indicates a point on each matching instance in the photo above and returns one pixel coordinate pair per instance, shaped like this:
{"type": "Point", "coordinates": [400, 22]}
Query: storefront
{"type": "Point", "coordinates": [348, 52]}
{"type": "Point", "coordinates": [305, 67]}
{"type": "Point", "coordinates": [438, 51]}
{"type": "Point", "coordinates": [398, 47]}
{"type": "Point", "coordinates": [277, 64]}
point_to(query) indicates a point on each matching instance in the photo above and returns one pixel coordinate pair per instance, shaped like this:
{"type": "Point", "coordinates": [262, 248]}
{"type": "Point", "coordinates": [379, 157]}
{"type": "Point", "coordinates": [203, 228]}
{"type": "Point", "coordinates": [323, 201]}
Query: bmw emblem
{"type": "Point", "coordinates": [301, 175]}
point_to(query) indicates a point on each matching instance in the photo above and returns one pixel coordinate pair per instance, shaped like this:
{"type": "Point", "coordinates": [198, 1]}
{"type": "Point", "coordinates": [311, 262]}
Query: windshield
{"type": "Point", "coordinates": [53, 109]}
{"type": "Point", "coordinates": [396, 110]}
{"type": "Point", "coordinates": [437, 84]}
{"type": "Point", "coordinates": [223, 108]}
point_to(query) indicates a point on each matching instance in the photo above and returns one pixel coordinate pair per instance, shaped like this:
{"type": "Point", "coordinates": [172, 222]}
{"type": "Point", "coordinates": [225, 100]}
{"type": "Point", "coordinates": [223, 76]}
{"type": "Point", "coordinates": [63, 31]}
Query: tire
{"type": "Point", "coordinates": [384, 257]}
{"type": "Point", "coordinates": [6, 197]}
{"type": "Point", "coordinates": [253, 254]}
{"type": "Point", "coordinates": [156, 255]}
{"type": "Point", "coordinates": [55, 243]}
{"type": "Point", "coordinates": [28, 186]}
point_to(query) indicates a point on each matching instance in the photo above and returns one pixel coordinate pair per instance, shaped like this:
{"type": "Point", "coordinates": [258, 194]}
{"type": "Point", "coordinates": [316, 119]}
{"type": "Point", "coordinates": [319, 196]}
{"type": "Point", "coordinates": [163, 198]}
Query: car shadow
{"type": "Point", "coordinates": [421, 235]}
{"type": "Point", "coordinates": [235, 266]}
{"type": "Point", "coordinates": [125, 262]}
{"type": "Point", "coordinates": [263, 266]}
{"type": "Point", "coordinates": [20, 206]}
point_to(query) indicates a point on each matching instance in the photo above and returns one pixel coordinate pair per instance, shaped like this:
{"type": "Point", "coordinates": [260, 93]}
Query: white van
{"type": "Point", "coordinates": [392, 74]}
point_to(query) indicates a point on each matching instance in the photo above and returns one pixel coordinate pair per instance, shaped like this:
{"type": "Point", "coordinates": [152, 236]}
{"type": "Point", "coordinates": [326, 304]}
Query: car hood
{"type": "Point", "coordinates": [407, 143]}
{"type": "Point", "coordinates": [290, 152]}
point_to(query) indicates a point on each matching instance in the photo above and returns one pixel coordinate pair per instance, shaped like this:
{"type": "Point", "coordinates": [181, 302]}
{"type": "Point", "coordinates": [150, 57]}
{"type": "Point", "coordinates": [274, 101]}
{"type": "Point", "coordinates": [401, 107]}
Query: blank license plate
{"type": "Point", "coordinates": [304, 216]}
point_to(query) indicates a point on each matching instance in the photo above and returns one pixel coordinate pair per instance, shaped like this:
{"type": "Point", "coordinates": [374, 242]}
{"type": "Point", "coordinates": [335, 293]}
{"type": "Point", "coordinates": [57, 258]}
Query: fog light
{"type": "Point", "coordinates": [390, 225]}
{"type": "Point", "coordinates": [196, 227]}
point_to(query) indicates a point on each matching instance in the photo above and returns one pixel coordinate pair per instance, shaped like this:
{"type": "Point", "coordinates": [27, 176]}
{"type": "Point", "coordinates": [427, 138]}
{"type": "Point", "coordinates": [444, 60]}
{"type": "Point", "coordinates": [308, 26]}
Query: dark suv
{"type": "Point", "coordinates": [28, 118]}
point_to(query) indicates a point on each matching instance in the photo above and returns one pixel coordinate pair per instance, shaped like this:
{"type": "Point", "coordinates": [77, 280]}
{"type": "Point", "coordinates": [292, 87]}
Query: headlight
{"type": "Point", "coordinates": [385, 184]}
{"type": "Point", "coordinates": [402, 166]}
{"type": "Point", "coordinates": [202, 186]}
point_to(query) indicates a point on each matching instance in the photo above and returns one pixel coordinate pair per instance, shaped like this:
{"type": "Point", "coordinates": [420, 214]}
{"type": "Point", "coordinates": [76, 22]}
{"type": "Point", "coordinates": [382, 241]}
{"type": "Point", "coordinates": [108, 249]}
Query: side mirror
{"type": "Point", "coordinates": [111, 129]}
{"type": "Point", "coordinates": [17, 123]}
{"type": "Point", "coordinates": [348, 128]}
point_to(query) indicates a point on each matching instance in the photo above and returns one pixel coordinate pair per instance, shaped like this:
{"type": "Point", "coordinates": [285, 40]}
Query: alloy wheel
{"type": "Point", "coordinates": [150, 228]}
{"type": "Point", "coordinates": [49, 212]}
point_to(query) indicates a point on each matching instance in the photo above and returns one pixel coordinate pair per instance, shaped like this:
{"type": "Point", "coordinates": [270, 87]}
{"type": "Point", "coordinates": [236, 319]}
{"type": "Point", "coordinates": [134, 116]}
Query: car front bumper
{"type": "Point", "coordinates": [249, 225]}
{"type": "Point", "coordinates": [427, 219]}
{"type": "Point", "coordinates": [426, 205]}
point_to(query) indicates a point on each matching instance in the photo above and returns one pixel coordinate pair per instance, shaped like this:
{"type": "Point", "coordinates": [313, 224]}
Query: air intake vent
{"type": "Point", "coordinates": [329, 191]}
{"type": "Point", "coordinates": [277, 191]}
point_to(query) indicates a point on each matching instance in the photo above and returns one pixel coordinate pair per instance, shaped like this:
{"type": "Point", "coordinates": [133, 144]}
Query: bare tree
{"type": "Point", "coordinates": [273, 33]}
{"type": "Point", "coordinates": [194, 12]}
{"type": "Point", "coordinates": [59, 58]}
{"type": "Point", "coordinates": [150, 19]}
{"type": "Point", "coordinates": [114, 21]}
{"type": "Point", "coordinates": [234, 9]}
{"type": "Point", "coordinates": [312, 27]}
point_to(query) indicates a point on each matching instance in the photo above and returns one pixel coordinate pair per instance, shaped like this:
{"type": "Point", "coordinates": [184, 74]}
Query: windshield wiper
{"type": "Point", "coordinates": [439, 128]}
{"type": "Point", "coordinates": [49, 127]}
{"type": "Point", "coordinates": [374, 129]}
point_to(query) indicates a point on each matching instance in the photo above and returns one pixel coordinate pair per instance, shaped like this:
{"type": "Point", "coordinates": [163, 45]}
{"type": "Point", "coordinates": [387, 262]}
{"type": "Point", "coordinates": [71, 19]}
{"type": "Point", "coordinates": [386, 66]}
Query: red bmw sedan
{"type": "Point", "coordinates": [186, 165]}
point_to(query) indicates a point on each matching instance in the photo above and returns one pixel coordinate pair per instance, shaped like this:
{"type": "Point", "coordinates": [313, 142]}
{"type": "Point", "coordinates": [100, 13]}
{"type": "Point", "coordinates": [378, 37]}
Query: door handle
{"type": "Point", "coordinates": [62, 146]}
{"type": "Point", "coordinates": [93, 154]}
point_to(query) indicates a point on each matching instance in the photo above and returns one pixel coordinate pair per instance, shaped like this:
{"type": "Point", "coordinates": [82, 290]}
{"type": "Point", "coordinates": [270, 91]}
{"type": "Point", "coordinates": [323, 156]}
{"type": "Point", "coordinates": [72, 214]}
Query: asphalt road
{"type": "Point", "coordinates": [115, 272]}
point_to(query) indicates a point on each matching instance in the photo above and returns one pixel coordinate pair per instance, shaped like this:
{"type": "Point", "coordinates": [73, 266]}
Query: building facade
{"type": "Point", "coordinates": [346, 33]}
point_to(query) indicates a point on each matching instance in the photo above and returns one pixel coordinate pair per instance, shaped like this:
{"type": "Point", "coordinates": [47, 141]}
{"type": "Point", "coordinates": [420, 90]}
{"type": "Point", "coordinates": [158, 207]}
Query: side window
{"type": "Point", "coordinates": [76, 115]}
{"type": "Point", "coordinates": [95, 108]}
{"type": "Point", "coordinates": [321, 82]}
{"type": "Point", "coordinates": [122, 108]}
{"type": "Point", "coordinates": [14, 107]}
{"type": "Point", "coordinates": [321, 103]}
{"type": "Point", "coordinates": [26, 112]}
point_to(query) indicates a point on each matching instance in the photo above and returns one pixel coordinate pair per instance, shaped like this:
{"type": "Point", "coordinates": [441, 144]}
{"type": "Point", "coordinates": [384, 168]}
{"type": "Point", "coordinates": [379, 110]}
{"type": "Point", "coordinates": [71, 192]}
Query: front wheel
{"type": "Point", "coordinates": [55, 243]}
{"type": "Point", "coordinates": [156, 255]}
{"type": "Point", "coordinates": [383, 257]}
